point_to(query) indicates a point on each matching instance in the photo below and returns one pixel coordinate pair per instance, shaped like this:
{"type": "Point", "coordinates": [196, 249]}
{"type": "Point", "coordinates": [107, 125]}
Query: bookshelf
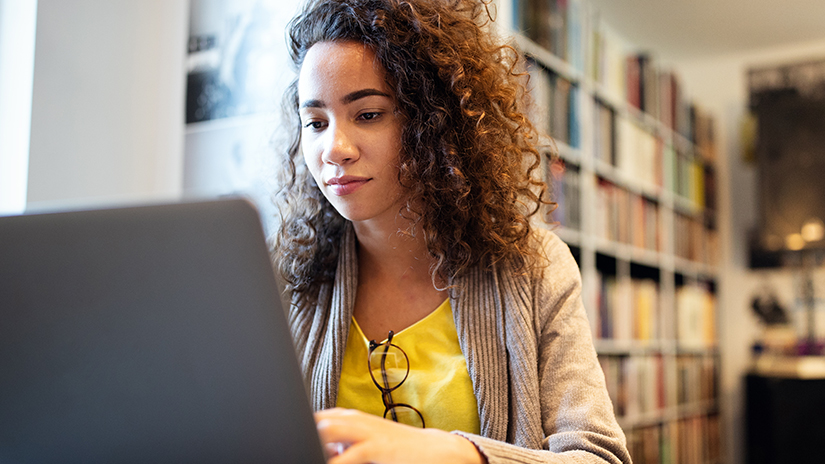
{"type": "Point", "coordinates": [632, 169]}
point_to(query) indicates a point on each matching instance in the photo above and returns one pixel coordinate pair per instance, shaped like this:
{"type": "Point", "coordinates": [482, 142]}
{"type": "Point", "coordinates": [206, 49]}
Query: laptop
{"type": "Point", "coordinates": [147, 334]}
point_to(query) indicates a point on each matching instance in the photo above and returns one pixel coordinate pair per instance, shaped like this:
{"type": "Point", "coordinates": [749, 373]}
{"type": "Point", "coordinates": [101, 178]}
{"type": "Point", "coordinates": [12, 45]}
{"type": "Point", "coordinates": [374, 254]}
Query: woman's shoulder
{"type": "Point", "coordinates": [551, 251]}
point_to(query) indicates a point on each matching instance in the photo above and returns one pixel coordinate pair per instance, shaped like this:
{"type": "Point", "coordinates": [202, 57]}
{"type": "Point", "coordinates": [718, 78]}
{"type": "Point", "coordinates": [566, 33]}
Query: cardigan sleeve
{"type": "Point", "coordinates": [577, 416]}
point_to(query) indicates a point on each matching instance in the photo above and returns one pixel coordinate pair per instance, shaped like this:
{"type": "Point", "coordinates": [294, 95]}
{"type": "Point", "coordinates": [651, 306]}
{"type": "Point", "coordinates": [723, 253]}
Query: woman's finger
{"type": "Point", "coordinates": [336, 431]}
{"type": "Point", "coordinates": [358, 453]}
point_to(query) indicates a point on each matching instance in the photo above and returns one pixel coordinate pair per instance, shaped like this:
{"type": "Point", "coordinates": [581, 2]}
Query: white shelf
{"type": "Point", "coordinates": [232, 122]}
{"type": "Point", "coordinates": [797, 367]}
{"type": "Point", "coordinates": [559, 66]}
{"type": "Point", "coordinates": [635, 347]}
{"type": "Point", "coordinates": [670, 414]}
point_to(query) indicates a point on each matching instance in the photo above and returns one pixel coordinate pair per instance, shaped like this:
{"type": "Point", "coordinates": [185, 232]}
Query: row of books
{"type": "Point", "coordinates": [627, 309]}
{"type": "Point", "coordinates": [694, 440]}
{"type": "Point", "coordinates": [565, 182]}
{"type": "Point", "coordinates": [635, 78]}
{"type": "Point", "coordinates": [639, 154]}
{"type": "Point", "coordinates": [626, 217]}
{"type": "Point", "coordinates": [694, 240]}
{"type": "Point", "coordinates": [639, 151]}
{"type": "Point", "coordinates": [556, 25]}
{"type": "Point", "coordinates": [696, 315]}
{"type": "Point", "coordinates": [625, 75]}
{"type": "Point", "coordinates": [555, 104]}
{"type": "Point", "coordinates": [649, 162]}
{"type": "Point", "coordinates": [696, 379]}
{"type": "Point", "coordinates": [642, 155]}
{"type": "Point", "coordinates": [654, 91]}
{"type": "Point", "coordinates": [640, 385]}
{"type": "Point", "coordinates": [622, 143]}
{"type": "Point", "coordinates": [658, 93]}
{"type": "Point", "coordinates": [630, 309]}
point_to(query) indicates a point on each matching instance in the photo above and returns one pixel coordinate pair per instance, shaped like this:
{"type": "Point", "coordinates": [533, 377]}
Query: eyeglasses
{"type": "Point", "coordinates": [389, 368]}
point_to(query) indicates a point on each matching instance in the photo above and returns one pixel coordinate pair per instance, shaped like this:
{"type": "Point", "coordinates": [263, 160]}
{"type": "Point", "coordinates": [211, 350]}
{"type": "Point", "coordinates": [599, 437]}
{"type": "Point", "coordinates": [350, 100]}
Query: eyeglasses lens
{"type": "Point", "coordinates": [405, 415]}
{"type": "Point", "coordinates": [388, 366]}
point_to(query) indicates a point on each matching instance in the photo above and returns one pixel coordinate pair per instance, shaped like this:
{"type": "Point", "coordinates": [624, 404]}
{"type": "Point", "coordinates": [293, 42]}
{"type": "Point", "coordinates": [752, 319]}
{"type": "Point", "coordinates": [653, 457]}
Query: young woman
{"type": "Point", "coordinates": [420, 291]}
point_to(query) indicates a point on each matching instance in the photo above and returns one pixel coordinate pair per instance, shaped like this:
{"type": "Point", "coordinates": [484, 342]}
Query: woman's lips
{"type": "Point", "coordinates": [345, 185]}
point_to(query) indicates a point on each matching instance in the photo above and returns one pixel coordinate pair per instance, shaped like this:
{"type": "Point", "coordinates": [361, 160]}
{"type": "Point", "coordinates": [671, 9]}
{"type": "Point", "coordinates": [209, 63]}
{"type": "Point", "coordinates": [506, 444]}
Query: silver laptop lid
{"type": "Point", "coordinates": [147, 334]}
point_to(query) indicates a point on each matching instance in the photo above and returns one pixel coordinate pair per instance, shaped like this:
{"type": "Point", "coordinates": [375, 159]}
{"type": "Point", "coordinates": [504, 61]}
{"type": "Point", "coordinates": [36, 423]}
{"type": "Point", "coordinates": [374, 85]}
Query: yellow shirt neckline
{"type": "Point", "coordinates": [438, 385]}
{"type": "Point", "coordinates": [444, 306]}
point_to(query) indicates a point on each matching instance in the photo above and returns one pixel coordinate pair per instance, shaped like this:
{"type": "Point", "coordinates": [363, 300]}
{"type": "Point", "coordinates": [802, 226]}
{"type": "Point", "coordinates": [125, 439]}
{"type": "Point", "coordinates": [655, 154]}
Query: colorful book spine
{"type": "Point", "coordinates": [575, 31]}
{"type": "Point", "coordinates": [564, 181]}
{"type": "Point", "coordinates": [604, 147]}
{"type": "Point", "coordinates": [696, 309]}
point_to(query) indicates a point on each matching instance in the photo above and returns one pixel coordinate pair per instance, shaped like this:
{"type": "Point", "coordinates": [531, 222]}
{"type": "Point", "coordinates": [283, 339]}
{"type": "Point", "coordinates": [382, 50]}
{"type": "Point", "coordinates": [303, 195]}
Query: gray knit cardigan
{"type": "Point", "coordinates": [541, 393]}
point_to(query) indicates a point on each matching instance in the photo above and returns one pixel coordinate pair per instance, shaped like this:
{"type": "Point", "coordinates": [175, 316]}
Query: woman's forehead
{"type": "Point", "coordinates": [339, 67]}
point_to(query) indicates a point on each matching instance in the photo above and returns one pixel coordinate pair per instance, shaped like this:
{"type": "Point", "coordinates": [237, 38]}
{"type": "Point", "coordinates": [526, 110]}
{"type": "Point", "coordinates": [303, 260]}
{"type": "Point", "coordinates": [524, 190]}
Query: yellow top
{"type": "Point", "coordinates": [438, 385]}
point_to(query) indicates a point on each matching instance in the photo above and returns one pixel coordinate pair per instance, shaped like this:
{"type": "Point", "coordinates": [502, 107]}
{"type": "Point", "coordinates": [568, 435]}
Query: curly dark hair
{"type": "Point", "coordinates": [469, 153]}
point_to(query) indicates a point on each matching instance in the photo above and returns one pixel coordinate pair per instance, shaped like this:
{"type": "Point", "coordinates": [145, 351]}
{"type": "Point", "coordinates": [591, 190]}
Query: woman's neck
{"type": "Point", "coordinates": [392, 254]}
{"type": "Point", "coordinates": [395, 285]}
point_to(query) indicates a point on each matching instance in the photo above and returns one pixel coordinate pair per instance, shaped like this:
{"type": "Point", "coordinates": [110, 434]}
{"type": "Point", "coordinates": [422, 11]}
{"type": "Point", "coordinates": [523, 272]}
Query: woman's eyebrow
{"type": "Point", "coordinates": [347, 99]}
{"type": "Point", "coordinates": [358, 94]}
{"type": "Point", "coordinates": [313, 104]}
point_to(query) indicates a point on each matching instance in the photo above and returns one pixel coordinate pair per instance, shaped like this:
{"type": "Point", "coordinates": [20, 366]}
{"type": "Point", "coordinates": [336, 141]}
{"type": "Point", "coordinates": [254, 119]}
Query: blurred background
{"type": "Point", "coordinates": [111, 102]}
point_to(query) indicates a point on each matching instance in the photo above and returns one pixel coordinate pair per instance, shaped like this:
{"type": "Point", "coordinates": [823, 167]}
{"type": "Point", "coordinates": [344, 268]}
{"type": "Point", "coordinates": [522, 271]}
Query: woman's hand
{"type": "Point", "coordinates": [371, 439]}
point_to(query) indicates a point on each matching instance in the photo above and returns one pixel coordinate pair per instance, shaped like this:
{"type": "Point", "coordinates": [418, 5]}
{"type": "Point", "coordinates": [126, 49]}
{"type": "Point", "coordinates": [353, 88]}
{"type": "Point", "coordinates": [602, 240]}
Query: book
{"type": "Point", "coordinates": [649, 86]}
{"type": "Point", "coordinates": [557, 24]}
{"type": "Point", "coordinates": [574, 128]}
{"type": "Point", "coordinates": [607, 303]}
{"type": "Point", "coordinates": [572, 186]}
{"type": "Point", "coordinates": [564, 181]}
{"type": "Point", "coordinates": [560, 114]}
{"type": "Point", "coordinates": [639, 153]}
{"type": "Point", "coordinates": [696, 309]}
{"type": "Point", "coordinates": [633, 80]}
{"type": "Point", "coordinates": [668, 96]}
{"type": "Point", "coordinates": [669, 167]}
{"type": "Point", "coordinates": [575, 30]}
{"type": "Point", "coordinates": [604, 148]}
{"type": "Point", "coordinates": [646, 309]}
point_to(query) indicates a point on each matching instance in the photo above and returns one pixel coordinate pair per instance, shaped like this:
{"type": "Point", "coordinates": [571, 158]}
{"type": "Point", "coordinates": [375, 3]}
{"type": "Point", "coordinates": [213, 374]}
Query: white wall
{"type": "Point", "coordinates": [17, 26]}
{"type": "Point", "coordinates": [107, 119]}
{"type": "Point", "coordinates": [719, 84]}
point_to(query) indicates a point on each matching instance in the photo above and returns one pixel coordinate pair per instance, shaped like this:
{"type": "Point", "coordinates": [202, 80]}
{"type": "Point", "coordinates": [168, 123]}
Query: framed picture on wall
{"type": "Point", "coordinates": [238, 69]}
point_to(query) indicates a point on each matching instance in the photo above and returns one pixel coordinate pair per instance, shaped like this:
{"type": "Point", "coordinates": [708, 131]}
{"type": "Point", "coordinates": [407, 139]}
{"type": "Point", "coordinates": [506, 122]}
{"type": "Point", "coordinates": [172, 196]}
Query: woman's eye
{"type": "Point", "coordinates": [370, 115]}
{"type": "Point", "coordinates": [314, 125]}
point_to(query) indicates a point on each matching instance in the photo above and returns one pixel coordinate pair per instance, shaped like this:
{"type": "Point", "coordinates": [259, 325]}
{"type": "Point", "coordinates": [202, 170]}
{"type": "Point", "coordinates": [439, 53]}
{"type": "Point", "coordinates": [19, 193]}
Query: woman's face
{"type": "Point", "coordinates": [350, 136]}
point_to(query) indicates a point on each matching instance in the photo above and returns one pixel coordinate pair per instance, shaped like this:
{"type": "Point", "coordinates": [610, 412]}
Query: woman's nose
{"type": "Point", "coordinates": [341, 147]}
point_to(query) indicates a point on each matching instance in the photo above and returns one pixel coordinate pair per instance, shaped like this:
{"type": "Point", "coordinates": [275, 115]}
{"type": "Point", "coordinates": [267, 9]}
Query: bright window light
{"type": "Point", "coordinates": [17, 36]}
